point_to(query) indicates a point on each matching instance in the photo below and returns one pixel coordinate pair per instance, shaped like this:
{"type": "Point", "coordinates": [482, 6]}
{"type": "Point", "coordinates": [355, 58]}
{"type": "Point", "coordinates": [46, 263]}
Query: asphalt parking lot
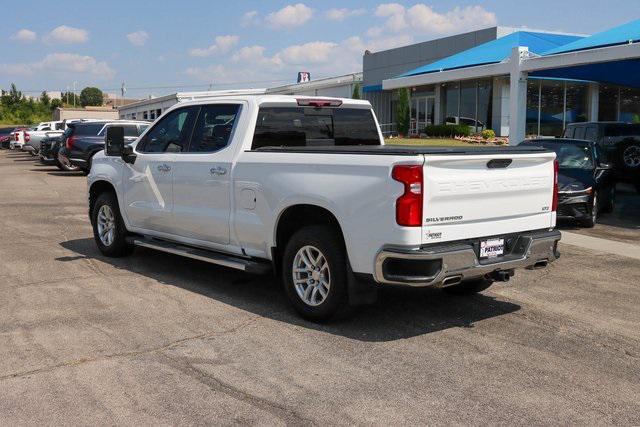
{"type": "Point", "coordinates": [155, 338]}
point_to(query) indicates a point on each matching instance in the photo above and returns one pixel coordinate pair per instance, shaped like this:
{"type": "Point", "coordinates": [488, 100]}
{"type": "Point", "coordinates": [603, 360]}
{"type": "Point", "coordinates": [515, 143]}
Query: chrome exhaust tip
{"type": "Point", "coordinates": [451, 280]}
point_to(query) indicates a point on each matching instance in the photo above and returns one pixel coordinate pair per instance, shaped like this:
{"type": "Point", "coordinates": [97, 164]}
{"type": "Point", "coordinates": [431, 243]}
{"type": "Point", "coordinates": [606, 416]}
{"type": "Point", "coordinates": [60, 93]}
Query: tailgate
{"type": "Point", "coordinates": [480, 195]}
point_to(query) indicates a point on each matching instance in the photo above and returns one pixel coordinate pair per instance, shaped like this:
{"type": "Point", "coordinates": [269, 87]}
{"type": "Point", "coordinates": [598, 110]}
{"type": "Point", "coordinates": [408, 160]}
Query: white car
{"type": "Point", "coordinates": [305, 188]}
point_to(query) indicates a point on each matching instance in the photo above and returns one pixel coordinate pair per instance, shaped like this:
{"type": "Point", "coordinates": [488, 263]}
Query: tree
{"type": "Point", "coordinates": [91, 96]}
{"type": "Point", "coordinates": [55, 103]}
{"type": "Point", "coordinates": [44, 98]}
{"type": "Point", "coordinates": [402, 111]}
{"type": "Point", "coordinates": [68, 97]}
{"type": "Point", "coordinates": [356, 91]}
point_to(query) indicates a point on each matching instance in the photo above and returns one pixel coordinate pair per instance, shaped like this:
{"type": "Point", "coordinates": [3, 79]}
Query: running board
{"type": "Point", "coordinates": [244, 264]}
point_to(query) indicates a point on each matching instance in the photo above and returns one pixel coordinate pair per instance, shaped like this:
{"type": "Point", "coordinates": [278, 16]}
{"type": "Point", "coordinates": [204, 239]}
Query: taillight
{"type": "Point", "coordinates": [16, 136]}
{"type": "Point", "coordinates": [70, 141]}
{"type": "Point", "coordinates": [554, 204]}
{"type": "Point", "coordinates": [27, 137]}
{"type": "Point", "coordinates": [409, 205]}
{"type": "Point", "coordinates": [318, 103]}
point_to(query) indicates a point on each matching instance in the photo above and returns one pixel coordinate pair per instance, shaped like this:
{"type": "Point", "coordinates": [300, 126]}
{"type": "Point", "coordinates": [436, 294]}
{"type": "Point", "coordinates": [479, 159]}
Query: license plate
{"type": "Point", "coordinates": [491, 248]}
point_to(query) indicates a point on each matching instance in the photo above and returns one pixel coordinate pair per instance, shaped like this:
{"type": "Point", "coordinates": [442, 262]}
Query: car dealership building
{"type": "Point", "coordinates": [516, 82]}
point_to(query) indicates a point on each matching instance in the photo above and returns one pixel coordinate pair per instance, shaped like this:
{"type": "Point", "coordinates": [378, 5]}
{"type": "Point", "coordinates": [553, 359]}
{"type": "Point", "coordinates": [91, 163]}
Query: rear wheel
{"type": "Point", "coordinates": [109, 231]}
{"type": "Point", "coordinates": [67, 168]}
{"type": "Point", "coordinates": [314, 272]}
{"type": "Point", "coordinates": [468, 287]}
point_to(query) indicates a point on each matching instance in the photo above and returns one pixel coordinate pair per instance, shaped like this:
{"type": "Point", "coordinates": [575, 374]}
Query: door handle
{"type": "Point", "coordinates": [218, 171]}
{"type": "Point", "coordinates": [164, 168]}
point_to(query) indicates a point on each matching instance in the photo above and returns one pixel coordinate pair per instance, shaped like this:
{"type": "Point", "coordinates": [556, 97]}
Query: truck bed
{"type": "Point", "coordinates": [406, 150]}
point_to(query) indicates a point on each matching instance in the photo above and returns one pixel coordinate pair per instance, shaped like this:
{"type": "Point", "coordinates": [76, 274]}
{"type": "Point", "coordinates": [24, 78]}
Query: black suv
{"type": "Point", "coordinates": [83, 140]}
{"type": "Point", "coordinates": [620, 143]}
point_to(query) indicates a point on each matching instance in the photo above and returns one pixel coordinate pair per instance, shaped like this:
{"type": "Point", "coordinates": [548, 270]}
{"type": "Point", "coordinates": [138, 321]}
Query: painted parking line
{"type": "Point", "coordinates": [602, 245]}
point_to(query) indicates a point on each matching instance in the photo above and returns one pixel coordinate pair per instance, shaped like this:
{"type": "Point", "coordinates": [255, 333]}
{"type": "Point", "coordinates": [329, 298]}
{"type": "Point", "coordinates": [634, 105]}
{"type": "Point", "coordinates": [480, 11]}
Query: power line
{"type": "Point", "coordinates": [183, 86]}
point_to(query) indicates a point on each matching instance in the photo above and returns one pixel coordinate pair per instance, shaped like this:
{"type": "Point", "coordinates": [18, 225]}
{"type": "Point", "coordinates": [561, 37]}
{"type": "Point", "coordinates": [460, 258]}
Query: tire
{"type": "Point", "coordinates": [327, 247]}
{"type": "Point", "coordinates": [629, 156]}
{"type": "Point", "coordinates": [105, 212]}
{"type": "Point", "coordinates": [66, 168]}
{"type": "Point", "coordinates": [593, 213]}
{"type": "Point", "coordinates": [469, 287]}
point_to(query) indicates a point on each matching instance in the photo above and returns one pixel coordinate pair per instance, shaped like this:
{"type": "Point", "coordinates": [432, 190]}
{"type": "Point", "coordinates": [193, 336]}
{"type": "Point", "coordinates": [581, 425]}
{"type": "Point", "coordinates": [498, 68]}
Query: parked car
{"type": "Point", "coordinates": [20, 135]}
{"type": "Point", "coordinates": [586, 182]}
{"type": "Point", "coordinates": [48, 151]}
{"type": "Point", "coordinates": [306, 188]}
{"type": "Point", "coordinates": [5, 136]}
{"type": "Point", "coordinates": [619, 141]}
{"type": "Point", "coordinates": [475, 125]}
{"type": "Point", "coordinates": [84, 140]}
{"type": "Point", "coordinates": [43, 130]}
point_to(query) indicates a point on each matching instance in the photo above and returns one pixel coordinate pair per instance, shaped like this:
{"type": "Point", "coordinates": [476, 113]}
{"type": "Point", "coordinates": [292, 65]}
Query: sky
{"type": "Point", "coordinates": [161, 47]}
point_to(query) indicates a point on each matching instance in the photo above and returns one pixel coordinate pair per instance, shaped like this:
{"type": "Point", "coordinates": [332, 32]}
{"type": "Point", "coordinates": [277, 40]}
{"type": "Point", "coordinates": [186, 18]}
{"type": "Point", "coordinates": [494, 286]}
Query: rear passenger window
{"type": "Point", "coordinates": [568, 132]}
{"type": "Point", "coordinates": [130, 130]}
{"type": "Point", "coordinates": [591, 134]}
{"type": "Point", "coordinates": [309, 126]}
{"type": "Point", "coordinates": [213, 128]}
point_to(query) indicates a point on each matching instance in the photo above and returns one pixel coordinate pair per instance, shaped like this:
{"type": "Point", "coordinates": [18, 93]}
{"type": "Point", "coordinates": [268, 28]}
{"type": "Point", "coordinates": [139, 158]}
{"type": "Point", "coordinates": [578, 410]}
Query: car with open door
{"type": "Point", "coordinates": [586, 182]}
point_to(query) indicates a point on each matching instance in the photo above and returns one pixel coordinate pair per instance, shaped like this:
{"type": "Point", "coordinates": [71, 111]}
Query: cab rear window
{"type": "Point", "coordinates": [309, 126]}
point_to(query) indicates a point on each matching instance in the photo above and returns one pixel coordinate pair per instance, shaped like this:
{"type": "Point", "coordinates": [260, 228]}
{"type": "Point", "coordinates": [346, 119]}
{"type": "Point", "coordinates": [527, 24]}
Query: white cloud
{"type": "Point", "coordinates": [422, 19]}
{"type": "Point", "coordinates": [290, 16]}
{"type": "Point", "coordinates": [24, 35]}
{"type": "Point", "coordinates": [307, 53]}
{"type": "Point", "coordinates": [255, 55]}
{"type": "Point", "coordinates": [343, 13]}
{"type": "Point", "coordinates": [223, 44]}
{"type": "Point", "coordinates": [250, 18]}
{"type": "Point", "coordinates": [64, 34]}
{"type": "Point", "coordinates": [63, 63]}
{"type": "Point", "coordinates": [138, 38]}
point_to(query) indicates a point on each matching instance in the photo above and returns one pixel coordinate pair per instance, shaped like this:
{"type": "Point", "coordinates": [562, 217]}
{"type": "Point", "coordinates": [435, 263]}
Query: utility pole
{"type": "Point", "coordinates": [123, 90]}
{"type": "Point", "coordinates": [74, 93]}
{"type": "Point", "coordinates": [67, 95]}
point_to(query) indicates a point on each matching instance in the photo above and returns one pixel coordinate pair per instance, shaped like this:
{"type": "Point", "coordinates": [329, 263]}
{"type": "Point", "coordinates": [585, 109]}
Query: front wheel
{"type": "Point", "coordinates": [109, 230]}
{"type": "Point", "coordinates": [67, 168]}
{"type": "Point", "coordinates": [315, 272]}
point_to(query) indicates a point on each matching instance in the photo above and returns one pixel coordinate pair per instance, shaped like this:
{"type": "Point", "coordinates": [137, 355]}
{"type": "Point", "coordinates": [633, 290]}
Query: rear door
{"type": "Point", "coordinates": [476, 195]}
{"type": "Point", "coordinates": [202, 176]}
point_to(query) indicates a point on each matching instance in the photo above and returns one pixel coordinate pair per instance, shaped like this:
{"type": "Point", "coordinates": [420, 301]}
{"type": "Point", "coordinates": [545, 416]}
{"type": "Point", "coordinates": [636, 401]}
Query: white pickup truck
{"type": "Point", "coordinates": [306, 188]}
{"type": "Point", "coordinates": [34, 136]}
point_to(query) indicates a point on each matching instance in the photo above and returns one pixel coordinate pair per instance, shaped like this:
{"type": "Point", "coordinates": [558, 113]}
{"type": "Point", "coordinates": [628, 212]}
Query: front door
{"type": "Point", "coordinates": [422, 113]}
{"type": "Point", "coordinates": [148, 182]}
{"type": "Point", "coordinates": [202, 176]}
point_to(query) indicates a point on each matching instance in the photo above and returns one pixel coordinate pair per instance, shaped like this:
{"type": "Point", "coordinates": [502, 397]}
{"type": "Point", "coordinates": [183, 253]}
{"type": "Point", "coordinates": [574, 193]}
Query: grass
{"type": "Point", "coordinates": [437, 142]}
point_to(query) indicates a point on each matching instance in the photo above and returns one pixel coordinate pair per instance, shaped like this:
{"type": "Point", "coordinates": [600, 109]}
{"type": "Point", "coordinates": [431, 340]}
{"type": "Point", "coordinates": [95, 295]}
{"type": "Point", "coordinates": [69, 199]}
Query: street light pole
{"type": "Point", "coordinates": [74, 94]}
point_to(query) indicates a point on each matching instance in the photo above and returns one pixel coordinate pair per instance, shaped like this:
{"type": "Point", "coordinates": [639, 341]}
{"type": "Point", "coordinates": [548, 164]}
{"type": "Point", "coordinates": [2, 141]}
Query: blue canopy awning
{"type": "Point", "coordinates": [623, 34]}
{"type": "Point", "coordinates": [496, 51]}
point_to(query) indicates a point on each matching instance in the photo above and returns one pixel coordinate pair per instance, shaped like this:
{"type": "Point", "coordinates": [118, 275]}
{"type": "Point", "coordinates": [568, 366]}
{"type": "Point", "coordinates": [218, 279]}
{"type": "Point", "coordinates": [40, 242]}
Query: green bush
{"type": "Point", "coordinates": [448, 131]}
{"type": "Point", "coordinates": [488, 134]}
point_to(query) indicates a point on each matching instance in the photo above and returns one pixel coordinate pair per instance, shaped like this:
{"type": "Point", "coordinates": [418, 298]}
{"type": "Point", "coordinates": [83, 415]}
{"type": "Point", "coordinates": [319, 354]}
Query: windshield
{"type": "Point", "coordinates": [571, 155]}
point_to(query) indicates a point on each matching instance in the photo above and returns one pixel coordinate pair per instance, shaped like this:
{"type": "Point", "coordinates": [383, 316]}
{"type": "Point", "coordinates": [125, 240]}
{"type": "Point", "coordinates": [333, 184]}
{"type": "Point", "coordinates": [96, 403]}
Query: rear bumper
{"type": "Point", "coordinates": [448, 264]}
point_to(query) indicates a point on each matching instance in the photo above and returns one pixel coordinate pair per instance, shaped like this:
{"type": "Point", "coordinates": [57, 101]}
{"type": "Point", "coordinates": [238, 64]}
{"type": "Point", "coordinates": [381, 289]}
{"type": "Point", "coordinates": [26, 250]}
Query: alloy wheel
{"type": "Point", "coordinates": [631, 156]}
{"type": "Point", "coordinates": [106, 225]}
{"type": "Point", "coordinates": [311, 275]}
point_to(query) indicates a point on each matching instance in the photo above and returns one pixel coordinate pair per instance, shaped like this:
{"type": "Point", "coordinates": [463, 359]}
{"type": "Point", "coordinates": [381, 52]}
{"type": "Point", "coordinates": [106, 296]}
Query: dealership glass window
{"type": "Point", "coordinates": [452, 100]}
{"type": "Point", "coordinates": [608, 103]}
{"type": "Point", "coordinates": [533, 107]}
{"type": "Point", "coordinates": [630, 105]}
{"type": "Point", "coordinates": [468, 103]}
{"type": "Point", "coordinates": [485, 104]}
{"type": "Point", "coordinates": [577, 108]}
{"type": "Point", "coordinates": [552, 108]}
